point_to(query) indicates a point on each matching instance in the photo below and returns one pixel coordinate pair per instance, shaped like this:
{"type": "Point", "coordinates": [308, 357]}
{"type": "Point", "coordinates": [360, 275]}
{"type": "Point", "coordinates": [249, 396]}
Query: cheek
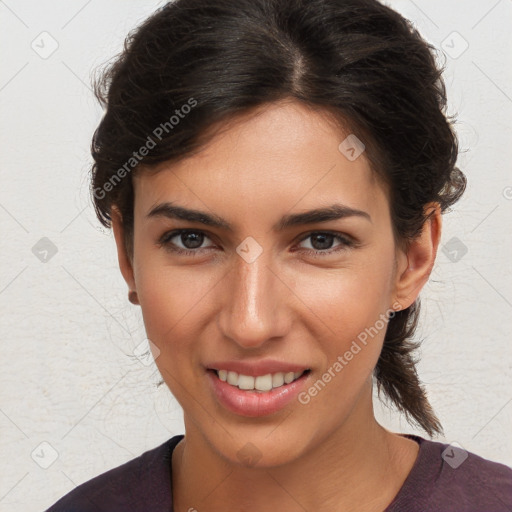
{"type": "Point", "coordinates": [345, 310]}
{"type": "Point", "coordinates": [174, 302]}
{"type": "Point", "coordinates": [350, 298]}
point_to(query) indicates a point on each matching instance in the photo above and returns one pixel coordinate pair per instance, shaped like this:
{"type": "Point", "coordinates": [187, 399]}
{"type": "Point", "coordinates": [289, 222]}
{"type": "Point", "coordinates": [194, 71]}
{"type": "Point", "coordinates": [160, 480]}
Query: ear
{"type": "Point", "coordinates": [415, 263]}
{"type": "Point", "coordinates": [125, 263]}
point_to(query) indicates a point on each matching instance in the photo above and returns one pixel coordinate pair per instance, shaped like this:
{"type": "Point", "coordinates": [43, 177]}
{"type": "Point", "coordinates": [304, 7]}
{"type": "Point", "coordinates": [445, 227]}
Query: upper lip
{"type": "Point", "coordinates": [257, 368]}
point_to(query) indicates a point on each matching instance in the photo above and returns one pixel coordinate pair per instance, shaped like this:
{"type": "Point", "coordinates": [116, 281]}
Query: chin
{"type": "Point", "coordinates": [259, 450]}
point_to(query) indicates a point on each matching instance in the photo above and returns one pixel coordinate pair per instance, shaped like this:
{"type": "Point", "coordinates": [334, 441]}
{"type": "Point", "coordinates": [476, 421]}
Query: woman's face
{"type": "Point", "coordinates": [265, 290]}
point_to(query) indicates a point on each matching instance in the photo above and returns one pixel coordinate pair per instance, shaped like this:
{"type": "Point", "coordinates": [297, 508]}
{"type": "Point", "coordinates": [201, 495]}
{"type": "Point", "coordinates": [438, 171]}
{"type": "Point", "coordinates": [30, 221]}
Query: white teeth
{"type": "Point", "coordinates": [288, 377]}
{"type": "Point", "coordinates": [261, 383]}
{"type": "Point", "coordinates": [245, 382]}
{"type": "Point", "coordinates": [277, 380]}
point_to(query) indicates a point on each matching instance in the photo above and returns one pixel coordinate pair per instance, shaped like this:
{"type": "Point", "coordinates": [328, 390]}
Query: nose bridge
{"type": "Point", "coordinates": [253, 310]}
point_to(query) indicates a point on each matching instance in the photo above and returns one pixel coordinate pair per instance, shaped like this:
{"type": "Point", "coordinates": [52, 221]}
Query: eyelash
{"type": "Point", "coordinates": [166, 237]}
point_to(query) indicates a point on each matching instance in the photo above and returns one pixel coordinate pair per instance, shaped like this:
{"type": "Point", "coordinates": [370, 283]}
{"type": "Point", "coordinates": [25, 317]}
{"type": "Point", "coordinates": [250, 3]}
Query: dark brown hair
{"type": "Point", "coordinates": [195, 63]}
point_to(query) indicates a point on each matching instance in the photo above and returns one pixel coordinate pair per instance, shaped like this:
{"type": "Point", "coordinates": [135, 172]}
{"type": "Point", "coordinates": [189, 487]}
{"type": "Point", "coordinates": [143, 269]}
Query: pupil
{"type": "Point", "coordinates": [324, 244]}
{"type": "Point", "coordinates": [186, 237]}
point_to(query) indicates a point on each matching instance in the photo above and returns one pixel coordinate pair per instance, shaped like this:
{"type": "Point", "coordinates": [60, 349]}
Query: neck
{"type": "Point", "coordinates": [360, 466]}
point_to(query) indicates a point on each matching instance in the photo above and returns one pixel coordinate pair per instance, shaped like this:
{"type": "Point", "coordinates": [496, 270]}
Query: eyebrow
{"type": "Point", "coordinates": [333, 212]}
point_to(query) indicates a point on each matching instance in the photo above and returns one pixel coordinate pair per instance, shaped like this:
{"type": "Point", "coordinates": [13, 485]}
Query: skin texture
{"type": "Point", "coordinates": [330, 454]}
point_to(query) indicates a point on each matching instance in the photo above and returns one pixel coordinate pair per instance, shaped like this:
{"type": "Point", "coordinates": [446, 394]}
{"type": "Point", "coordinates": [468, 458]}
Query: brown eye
{"type": "Point", "coordinates": [184, 241]}
{"type": "Point", "coordinates": [322, 242]}
{"type": "Point", "coordinates": [191, 240]}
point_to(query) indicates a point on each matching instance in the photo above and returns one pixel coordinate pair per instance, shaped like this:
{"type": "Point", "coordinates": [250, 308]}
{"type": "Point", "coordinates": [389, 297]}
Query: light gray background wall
{"type": "Point", "coordinates": [74, 398]}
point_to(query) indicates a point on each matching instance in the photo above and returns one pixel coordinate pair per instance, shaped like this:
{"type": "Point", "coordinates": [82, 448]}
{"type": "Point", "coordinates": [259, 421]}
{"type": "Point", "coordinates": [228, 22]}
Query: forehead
{"type": "Point", "coordinates": [275, 157]}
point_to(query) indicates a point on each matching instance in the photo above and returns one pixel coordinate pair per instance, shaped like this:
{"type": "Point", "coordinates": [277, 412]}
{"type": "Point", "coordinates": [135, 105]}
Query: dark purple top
{"type": "Point", "coordinates": [443, 479]}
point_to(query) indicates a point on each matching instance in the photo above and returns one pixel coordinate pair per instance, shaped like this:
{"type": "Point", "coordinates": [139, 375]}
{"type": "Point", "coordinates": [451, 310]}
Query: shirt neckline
{"type": "Point", "coordinates": [416, 480]}
{"type": "Point", "coordinates": [411, 483]}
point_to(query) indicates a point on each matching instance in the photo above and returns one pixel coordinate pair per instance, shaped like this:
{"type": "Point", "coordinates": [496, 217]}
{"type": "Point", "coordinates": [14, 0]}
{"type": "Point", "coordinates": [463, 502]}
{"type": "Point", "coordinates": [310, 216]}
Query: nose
{"type": "Point", "coordinates": [254, 309]}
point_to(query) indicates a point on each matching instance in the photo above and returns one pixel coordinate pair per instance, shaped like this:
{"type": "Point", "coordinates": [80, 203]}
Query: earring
{"type": "Point", "coordinates": [132, 297]}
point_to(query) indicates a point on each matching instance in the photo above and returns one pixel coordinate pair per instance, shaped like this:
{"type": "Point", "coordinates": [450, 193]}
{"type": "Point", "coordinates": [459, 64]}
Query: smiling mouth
{"type": "Point", "coordinates": [262, 383]}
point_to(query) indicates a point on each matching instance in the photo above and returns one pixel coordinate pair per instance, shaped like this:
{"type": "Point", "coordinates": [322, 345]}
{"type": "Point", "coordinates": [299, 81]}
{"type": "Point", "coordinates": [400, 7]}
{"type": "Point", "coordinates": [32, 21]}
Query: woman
{"type": "Point", "coordinates": [275, 172]}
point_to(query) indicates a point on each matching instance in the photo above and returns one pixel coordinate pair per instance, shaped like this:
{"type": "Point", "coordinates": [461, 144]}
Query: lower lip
{"type": "Point", "coordinates": [255, 403]}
